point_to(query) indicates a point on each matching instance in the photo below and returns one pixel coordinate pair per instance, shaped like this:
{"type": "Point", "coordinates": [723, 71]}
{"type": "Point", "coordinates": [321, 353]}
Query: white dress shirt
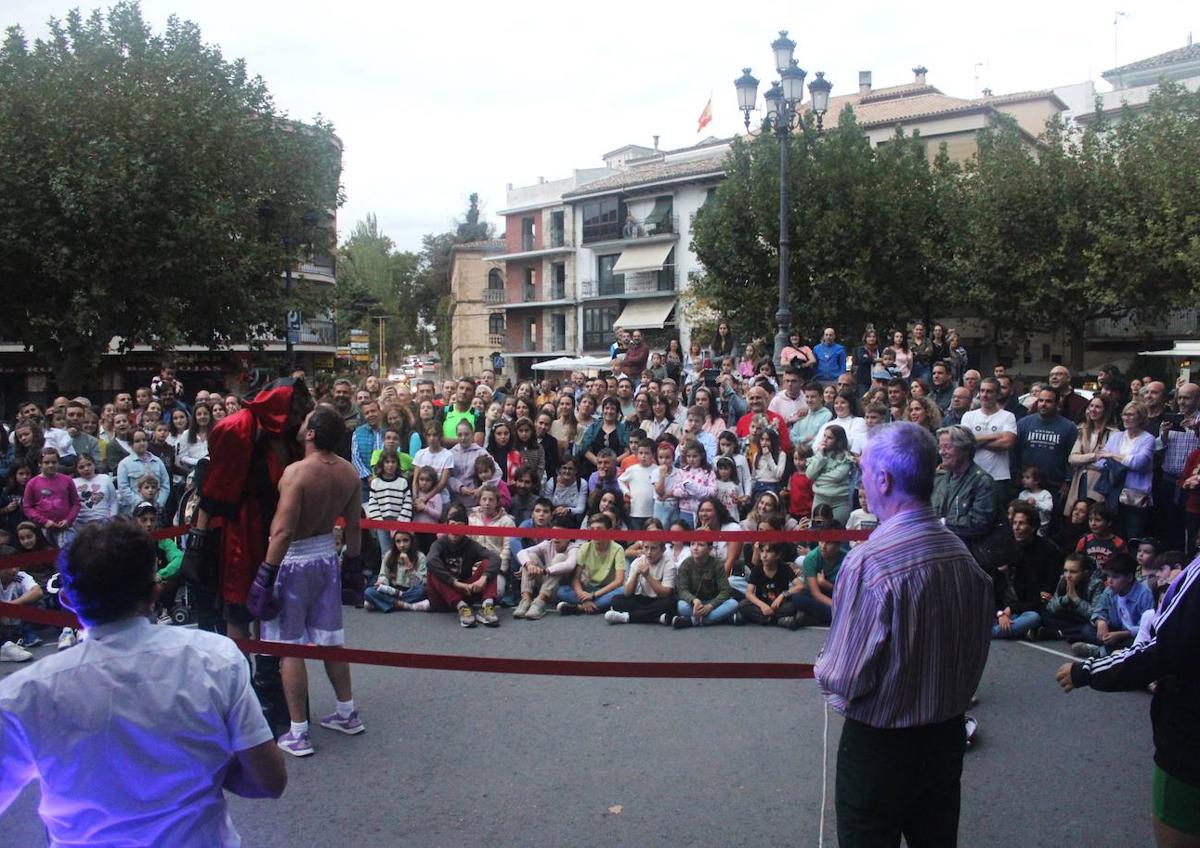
{"type": "Point", "coordinates": [130, 734]}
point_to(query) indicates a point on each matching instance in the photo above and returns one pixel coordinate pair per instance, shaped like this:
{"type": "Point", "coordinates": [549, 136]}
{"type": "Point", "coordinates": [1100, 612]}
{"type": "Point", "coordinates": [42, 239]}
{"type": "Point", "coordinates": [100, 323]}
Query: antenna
{"type": "Point", "coordinates": [1117, 15]}
{"type": "Point", "coordinates": [978, 65]}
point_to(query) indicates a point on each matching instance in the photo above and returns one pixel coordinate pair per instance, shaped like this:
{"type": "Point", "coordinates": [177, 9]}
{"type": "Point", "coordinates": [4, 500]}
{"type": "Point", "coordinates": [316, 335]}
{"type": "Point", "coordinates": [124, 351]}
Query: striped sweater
{"type": "Point", "coordinates": [390, 500]}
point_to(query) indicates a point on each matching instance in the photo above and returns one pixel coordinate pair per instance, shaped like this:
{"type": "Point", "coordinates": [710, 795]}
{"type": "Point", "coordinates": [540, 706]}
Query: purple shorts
{"type": "Point", "coordinates": [309, 590]}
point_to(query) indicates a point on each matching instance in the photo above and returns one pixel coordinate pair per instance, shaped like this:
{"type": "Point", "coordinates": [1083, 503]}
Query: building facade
{"type": "Point", "coordinates": [476, 332]}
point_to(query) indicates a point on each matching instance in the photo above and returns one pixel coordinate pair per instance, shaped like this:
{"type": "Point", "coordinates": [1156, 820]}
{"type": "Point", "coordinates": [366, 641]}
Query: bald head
{"type": "Point", "coordinates": [1154, 394]}
{"type": "Point", "coordinates": [1187, 398]}
{"type": "Point", "coordinates": [1060, 378]}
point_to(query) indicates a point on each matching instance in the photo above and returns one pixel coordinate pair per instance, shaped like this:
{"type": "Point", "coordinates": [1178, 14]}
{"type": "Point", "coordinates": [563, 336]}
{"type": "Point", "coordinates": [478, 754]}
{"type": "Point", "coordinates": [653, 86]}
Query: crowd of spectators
{"type": "Point", "coordinates": [1079, 505]}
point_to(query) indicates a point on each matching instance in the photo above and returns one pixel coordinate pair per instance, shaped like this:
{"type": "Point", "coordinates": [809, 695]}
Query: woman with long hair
{"type": "Point", "coordinates": [903, 354]}
{"type": "Point", "coordinates": [27, 444]}
{"type": "Point", "coordinates": [832, 472]}
{"type": "Point", "coordinates": [748, 363]}
{"type": "Point", "coordinates": [565, 427]}
{"type": "Point", "coordinates": [714, 424]}
{"type": "Point", "coordinates": [865, 358]}
{"type": "Point", "coordinates": [956, 356]}
{"type": "Point", "coordinates": [923, 411]}
{"type": "Point", "coordinates": [723, 343]}
{"type": "Point", "coordinates": [193, 447]}
{"type": "Point", "coordinates": [922, 353]}
{"type": "Point", "coordinates": [796, 354]}
{"type": "Point", "coordinates": [501, 448]}
{"type": "Point", "coordinates": [1093, 434]}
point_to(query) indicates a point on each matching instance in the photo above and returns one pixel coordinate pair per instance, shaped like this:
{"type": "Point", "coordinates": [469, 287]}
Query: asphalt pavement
{"type": "Point", "coordinates": [453, 758]}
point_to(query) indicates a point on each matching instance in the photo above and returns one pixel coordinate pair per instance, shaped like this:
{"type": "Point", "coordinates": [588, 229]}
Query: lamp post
{"type": "Point", "coordinates": [292, 241]}
{"type": "Point", "coordinates": [783, 114]}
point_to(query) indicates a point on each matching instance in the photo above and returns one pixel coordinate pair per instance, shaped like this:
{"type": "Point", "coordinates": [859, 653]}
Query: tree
{"type": "Point", "coordinates": [431, 286]}
{"type": "Point", "coordinates": [1091, 224]}
{"type": "Point", "coordinates": [133, 168]}
{"type": "Point", "coordinates": [375, 279]}
{"type": "Point", "coordinates": [869, 232]}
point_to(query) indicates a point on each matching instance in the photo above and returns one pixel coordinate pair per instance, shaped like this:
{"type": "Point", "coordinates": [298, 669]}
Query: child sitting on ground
{"type": "Point", "coordinates": [401, 581]}
{"type": "Point", "coordinates": [1101, 543]}
{"type": "Point", "coordinates": [1117, 615]}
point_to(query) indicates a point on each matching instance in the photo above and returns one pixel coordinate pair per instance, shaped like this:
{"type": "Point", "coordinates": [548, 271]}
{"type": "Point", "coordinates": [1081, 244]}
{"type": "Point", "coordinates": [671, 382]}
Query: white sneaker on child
{"type": "Point", "coordinates": [67, 639]}
{"type": "Point", "coordinates": [12, 652]}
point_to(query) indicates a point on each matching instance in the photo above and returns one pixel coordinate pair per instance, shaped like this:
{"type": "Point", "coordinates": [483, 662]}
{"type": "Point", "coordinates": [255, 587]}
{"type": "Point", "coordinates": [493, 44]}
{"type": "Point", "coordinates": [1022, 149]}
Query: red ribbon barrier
{"type": "Point", "coordinates": [49, 555]}
{"type": "Point", "coordinates": [488, 665]}
{"type": "Point", "coordinates": [623, 535]}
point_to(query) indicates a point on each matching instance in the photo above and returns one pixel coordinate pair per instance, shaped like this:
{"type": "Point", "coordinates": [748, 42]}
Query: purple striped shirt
{"type": "Point", "coordinates": [912, 622]}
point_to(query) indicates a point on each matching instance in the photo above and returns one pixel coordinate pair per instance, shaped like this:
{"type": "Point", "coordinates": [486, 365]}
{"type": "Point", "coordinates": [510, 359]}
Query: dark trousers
{"type": "Point", "coordinates": [642, 609]}
{"type": "Point", "coordinates": [753, 615]}
{"type": "Point", "coordinates": [899, 782]}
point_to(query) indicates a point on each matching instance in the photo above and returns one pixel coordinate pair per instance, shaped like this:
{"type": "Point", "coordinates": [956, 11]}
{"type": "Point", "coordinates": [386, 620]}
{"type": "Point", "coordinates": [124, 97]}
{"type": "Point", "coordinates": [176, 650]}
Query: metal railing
{"type": "Point", "coordinates": [494, 296]}
{"type": "Point", "coordinates": [638, 283]}
{"type": "Point", "coordinates": [631, 229]}
{"type": "Point", "coordinates": [1179, 323]}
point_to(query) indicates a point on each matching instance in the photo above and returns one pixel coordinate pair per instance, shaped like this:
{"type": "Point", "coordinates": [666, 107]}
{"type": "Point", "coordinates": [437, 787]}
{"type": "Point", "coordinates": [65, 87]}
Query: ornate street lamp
{"type": "Point", "coordinates": [783, 101]}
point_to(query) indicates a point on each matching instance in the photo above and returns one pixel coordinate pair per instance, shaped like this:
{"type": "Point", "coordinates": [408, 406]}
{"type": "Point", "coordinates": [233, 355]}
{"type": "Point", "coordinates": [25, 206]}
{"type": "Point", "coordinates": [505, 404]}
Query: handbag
{"type": "Point", "coordinates": [1135, 498]}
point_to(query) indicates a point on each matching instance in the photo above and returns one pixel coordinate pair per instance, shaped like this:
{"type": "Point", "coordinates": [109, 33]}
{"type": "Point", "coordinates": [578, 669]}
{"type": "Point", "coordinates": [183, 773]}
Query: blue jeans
{"type": "Point", "coordinates": [717, 615]}
{"type": "Point", "coordinates": [566, 593]}
{"type": "Point", "coordinates": [387, 603]}
{"type": "Point", "coordinates": [666, 514]}
{"type": "Point", "coordinates": [1022, 623]}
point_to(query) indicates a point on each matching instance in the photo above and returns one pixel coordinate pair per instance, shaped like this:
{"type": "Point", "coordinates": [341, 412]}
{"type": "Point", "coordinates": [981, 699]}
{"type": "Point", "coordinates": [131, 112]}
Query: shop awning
{"type": "Point", "coordinates": [648, 314]}
{"type": "Point", "coordinates": [1182, 350]}
{"type": "Point", "coordinates": [643, 257]}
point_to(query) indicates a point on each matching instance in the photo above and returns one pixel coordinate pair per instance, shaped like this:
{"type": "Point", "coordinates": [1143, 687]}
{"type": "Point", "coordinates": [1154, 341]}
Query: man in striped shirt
{"type": "Point", "coordinates": [912, 621]}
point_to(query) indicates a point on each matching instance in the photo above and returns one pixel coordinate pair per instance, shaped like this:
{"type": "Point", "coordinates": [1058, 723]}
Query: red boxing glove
{"type": "Point", "coordinates": [261, 600]}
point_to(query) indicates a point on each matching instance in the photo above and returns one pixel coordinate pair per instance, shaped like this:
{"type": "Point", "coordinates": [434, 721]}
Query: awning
{"type": "Point", "coordinates": [643, 257]}
{"type": "Point", "coordinates": [572, 363]}
{"type": "Point", "coordinates": [645, 314]}
{"type": "Point", "coordinates": [1182, 350]}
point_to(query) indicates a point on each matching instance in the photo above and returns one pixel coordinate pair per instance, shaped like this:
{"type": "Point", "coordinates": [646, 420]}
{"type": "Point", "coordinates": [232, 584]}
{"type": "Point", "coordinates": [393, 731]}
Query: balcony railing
{"type": "Point", "coordinates": [631, 229]}
{"type": "Point", "coordinates": [494, 296]}
{"type": "Point", "coordinates": [558, 238]}
{"type": "Point", "coordinates": [596, 340]}
{"type": "Point", "coordinates": [529, 345]}
{"type": "Point", "coordinates": [558, 342]}
{"type": "Point", "coordinates": [1179, 323]}
{"type": "Point", "coordinates": [527, 241]}
{"type": "Point", "coordinates": [641, 283]}
{"type": "Point", "coordinates": [314, 332]}
{"type": "Point", "coordinates": [496, 340]}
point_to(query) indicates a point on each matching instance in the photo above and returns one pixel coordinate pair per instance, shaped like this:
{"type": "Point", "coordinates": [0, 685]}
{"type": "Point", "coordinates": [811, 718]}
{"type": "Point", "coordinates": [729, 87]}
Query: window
{"type": "Point", "coordinates": [601, 220]}
{"type": "Point", "coordinates": [659, 221]}
{"type": "Point", "coordinates": [527, 239]}
{"type": "Point", "coordinates": [608, 283]}
{"type": "Point", "coordinates": [530, 334]}
{"type": "Point", "coordinates": [558, 279]}
{"type": "Point", "coordinates": [558, 235]}
{"type": "Point", "coordinates": [666, 276]}
{"type": "Point", "coordinates": [597, 326]}
{"type": "Point", "coordinates": [558, 331]}
{"type": "Point", "coordinates": [530, 287]}
{"type": "Point", "coordinates": [495, 279]}
{"type": "Point", "coordinates": [496, 324]}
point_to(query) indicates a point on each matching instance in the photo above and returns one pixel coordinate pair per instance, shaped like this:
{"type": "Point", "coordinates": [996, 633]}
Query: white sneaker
{"type": "Point", "coordinates": [615, 617]}
{"type": "Point", "coordinates": [67, 638]}
{"type": "Point", "coordinates": [12, 652]}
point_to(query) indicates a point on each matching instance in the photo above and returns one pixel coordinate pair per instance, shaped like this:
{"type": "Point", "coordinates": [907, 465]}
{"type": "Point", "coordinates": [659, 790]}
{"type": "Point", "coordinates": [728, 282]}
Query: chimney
{"type": "Point", "coordinates": [656, 142]}
{"type": "Point", "coordinates": [864, 83]}
{"type": "Point", "coordinates": [919, 74]}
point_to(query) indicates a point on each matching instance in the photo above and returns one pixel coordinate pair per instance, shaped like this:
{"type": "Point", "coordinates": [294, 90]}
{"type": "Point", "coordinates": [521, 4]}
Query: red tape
{"type": "Point", "coordinates": [487, 665]}
{"type": "Point", "coordinates": [622, 535]}
{"type": "Point", "coordinates": [50, 555]}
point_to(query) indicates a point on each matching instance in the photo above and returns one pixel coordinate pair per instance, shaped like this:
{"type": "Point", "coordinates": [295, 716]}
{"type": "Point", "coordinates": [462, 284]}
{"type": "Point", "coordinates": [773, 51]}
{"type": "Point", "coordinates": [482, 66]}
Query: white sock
{"type": "Point", "coordinates": [489, 602]}
{"type": "Point", "coordinates": [344, 708]}
{"type": "Point", "coordinates": [420, 606]}
{"type": "Point", "coordinates": [299, 727]}
{"type": "Point", "coordinates": [501, 582]}
{"type": "Point", "coordinates": [462, 604]}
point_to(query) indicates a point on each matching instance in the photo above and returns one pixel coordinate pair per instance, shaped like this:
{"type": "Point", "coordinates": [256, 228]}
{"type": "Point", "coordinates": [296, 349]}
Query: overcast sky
{"type": "Point", "coordinates": [436, 100]}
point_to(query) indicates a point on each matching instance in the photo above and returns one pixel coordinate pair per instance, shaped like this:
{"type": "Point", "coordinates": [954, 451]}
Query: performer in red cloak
{"type": "Point", "coordinates": [247, 452]}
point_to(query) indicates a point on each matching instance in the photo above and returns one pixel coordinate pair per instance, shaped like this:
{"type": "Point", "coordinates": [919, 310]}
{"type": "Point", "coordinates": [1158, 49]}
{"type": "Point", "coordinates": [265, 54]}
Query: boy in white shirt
{"type": "Point", "coordinates": [649, 591]}
{"type": "Point", "coordinates": [636, 486]}
{"type": "Point", "coordinates": [543, 567]}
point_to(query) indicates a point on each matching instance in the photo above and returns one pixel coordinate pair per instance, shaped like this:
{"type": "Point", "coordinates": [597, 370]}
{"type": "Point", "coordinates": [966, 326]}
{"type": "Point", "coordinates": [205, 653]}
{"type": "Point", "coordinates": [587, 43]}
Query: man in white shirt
{"type": "Point", "coordinates": [995, 430]}
{"type": "Point", "coordinates": [134, 736]}
{"type": "Point", "coordinates": [789, 404]}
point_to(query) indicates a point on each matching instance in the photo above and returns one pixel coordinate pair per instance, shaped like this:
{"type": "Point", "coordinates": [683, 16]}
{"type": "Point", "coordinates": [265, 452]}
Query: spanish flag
{"type": "Point", "coordinates": [706, 115]}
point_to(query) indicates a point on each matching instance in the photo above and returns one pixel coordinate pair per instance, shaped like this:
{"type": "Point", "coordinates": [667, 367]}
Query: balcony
{"type": "Point", "coordinates": [497, 340]}
{"type": "Point", "coordinates": [1179, 323]}
{"type": "Point", "coordinates": [559, 238]}
{"type": "Point", "coordinates": [632, 229]}
{"type": "Point", "coordinates": [527, 242]}
{"type": "Point", "coordinates": [494, 296]}
{"type": "Point", "coordinates": [646, 284]}
{"type": "Point", "coordinates": [315, 332]}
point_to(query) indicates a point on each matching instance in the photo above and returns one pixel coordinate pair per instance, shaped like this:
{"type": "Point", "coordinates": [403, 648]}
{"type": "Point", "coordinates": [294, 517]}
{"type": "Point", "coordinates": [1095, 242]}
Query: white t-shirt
{"type": "Point", "coordinates": [982, 424]}
{"type": "Point", "coordinates": [663, 571]}
{"type": "Point", "coordinates": [635, 480]}
{"type": "Point", "coordinates": [20, 584]}
{"type": "Point", "coordinates": [131, 735]}
{"type": "Point", "coordinates": [439, 461]}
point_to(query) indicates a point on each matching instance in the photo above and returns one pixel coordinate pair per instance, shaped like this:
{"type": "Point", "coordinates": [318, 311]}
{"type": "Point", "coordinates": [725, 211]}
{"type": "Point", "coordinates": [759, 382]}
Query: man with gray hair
{"type": "Point", "coordinates": [911, 628]}
{"type": "Point", "coordinates": [962, 492]}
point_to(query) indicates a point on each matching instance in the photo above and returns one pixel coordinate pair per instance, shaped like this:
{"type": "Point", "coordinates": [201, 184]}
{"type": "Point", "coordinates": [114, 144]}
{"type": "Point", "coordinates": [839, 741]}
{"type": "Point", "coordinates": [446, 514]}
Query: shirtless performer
{"type": "Point", "coordinates": [299, 601]}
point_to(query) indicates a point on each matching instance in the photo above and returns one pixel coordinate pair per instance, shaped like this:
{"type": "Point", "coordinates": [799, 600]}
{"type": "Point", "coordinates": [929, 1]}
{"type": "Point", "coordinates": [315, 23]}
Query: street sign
{"type": "Point", "coordinates": [293, 336]}
{"type": "Point", "coordinates": [294, 318]}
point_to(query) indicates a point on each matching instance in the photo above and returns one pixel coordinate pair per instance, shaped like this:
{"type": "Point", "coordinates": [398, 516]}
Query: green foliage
{"type": "Point", "coordinates": [376, 279]}
{"type": "Point", "coordinates": [870, 231]}
{"type": "Point", "coordinates": [133, 167]}
{"type": "Point", "coordinates": [1098, 223]}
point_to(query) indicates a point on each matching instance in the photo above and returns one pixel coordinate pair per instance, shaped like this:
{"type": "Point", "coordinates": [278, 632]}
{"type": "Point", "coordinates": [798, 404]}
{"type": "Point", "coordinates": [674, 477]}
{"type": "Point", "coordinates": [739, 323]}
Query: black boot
{"type": "Point", "coordinates": [268, 684]}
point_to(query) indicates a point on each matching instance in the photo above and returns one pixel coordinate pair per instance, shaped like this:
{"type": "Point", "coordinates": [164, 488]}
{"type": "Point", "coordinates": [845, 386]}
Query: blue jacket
{"type": "Point", "coordinates": [831, 361]}
{"type": "Point", "coordinates": [1106, 607]}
